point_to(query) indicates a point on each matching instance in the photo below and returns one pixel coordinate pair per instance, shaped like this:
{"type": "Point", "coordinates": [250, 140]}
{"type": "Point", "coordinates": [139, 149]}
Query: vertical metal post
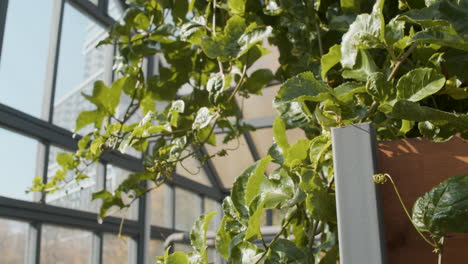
{"type": "Point", "coordinates": [52, 62]}
{"type": "Point", "coordinates": [96, 251]}
{"type": "Point", "coordinates": [3, 15]}
{"type": "Point", "coordinates": [97, 240]}
{"type": "Point", "coordinates": [145, 228]}
{"type": "Point", "coordinates": [33, 244]}
{"type": "Point", "coordinates": [360, 227]}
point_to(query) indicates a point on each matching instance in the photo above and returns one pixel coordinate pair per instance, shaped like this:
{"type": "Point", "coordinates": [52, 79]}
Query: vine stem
{"type": "Point", "coordinates": [397, 66]}
{"type": "Point", "coordinates": [441, 250]}
{"type": "Point", "coordinates": [283, 227]}
{"type": "Point", "coordinates": [400, 62]}
{"type": "Point", "coordinates": [407, 213]}
{"type": "Point", "coordinates": [244, 70]}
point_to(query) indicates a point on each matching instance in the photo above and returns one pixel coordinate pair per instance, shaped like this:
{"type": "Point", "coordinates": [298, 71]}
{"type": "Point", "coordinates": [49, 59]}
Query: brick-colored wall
{"type": "Point", "coordinates": [417, 165]}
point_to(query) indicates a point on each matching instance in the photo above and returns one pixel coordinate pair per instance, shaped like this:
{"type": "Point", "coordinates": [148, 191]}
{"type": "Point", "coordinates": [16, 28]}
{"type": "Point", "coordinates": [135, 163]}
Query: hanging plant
{"type": "Point", "coordinates": [400, 64]}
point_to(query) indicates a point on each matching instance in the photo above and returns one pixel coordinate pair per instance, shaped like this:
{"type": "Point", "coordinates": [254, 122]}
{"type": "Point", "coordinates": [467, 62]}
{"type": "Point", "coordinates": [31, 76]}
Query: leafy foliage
{"type": "Point", "coordinates": [444, 208]}
{"type": "Point", "coordinates": [397, 64]}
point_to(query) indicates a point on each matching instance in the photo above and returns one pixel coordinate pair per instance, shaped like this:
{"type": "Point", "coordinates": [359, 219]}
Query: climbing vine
{"type": "Point", "coordinates": [399, 64]}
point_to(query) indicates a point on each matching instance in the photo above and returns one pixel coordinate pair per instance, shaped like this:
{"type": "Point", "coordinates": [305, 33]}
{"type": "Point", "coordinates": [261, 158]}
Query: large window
{"type": "Point", "coordinates": [47, 61]}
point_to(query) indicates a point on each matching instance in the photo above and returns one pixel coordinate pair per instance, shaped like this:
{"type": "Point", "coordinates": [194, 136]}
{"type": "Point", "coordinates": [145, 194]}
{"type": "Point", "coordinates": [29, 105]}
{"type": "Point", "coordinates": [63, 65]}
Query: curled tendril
{"type": "Point", "coordinates": [381, 178]}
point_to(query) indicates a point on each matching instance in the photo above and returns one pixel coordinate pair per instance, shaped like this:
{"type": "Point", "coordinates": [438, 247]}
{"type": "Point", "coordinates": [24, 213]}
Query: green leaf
{"type": "Point", "coordinates": [279, 132]}
{"type": "Point", "coordinates": [254, 223]}
{"type": "Point", "coordinates": [215, 86]}
{"type": "Point", "coordinates": [444, 13]}
{"type": "Point", "coordinates": [318, 146]}
{"type": "Point", "coordinates": [351, 6]}
{"type": "Point", "coordinates": [198, 234]}
{"type": "Point", "coordinates": [206, 134]}
{"type": "Point", "coordinates": [438, 131]}
{"type": "Point", "coordinates": [443, 36]}
{"type": "Point", "coordinates": [105, 98]}
{"type": "Point", "coordinates": [456, 62]}
{"type": "Point", "coordinates": [320, 203]}
{"type": "Point", "coordinates": [303, 87]}
{"type": "Point", "coordinates": [252, 37]}
{"type": "Point", "coordinates": [237, 7]}
{"type": "Point", "coordinates": [179, 10]}
{"type": "Point", "coordinates": [89, 117]}
{"type": "Point", "coordinates": [331, 257]}
{"type": "Point", "coordinates": [330, 59]}
{"type": "Point", "coordinates": [346, 91]}
{"type": "Point", "coordinates": [285, 251]}
{"type": "Point", "coordinates": [226, 45]}
{"type": "Point", "coordinates": [223, 238]}
{"type": "Point", "coordinates": [413, 111]}
{"type": "Point", "coordinates": [363, 68]}
{"type": "Point", "coordinates": [281, 189]}
{"type": "Point", "coordinates": [297, 153]}
{"type": "Point", "coordinates": [379, 88]}
{"type": "Point", "coordinates": [364, 33]}
{"type": "Point", "coordinates": [247, 185]}
{"type": "Point", "coordinates": [103, 194]}
{"type": "Point", "coordinates": [203, 118]}
{"type": "Point", "coordinates": [141, 21]}
{"type": "Point", "coordinates": [258, 80]}
{"type": "Point", "coordinates": [419, 83]}
{"type": "Point", "coordinates": [66, 160]}
{"type": "Point", "coordinates": [255, 180]}
{"type": "Point", "coordinates": [394, 31]}
{"type": "Point", "coordinates": [176, 258]}
{"type": "Point", "coordinates": [444, 208]}
{"type": "Point", "coordinates": [245, 253]}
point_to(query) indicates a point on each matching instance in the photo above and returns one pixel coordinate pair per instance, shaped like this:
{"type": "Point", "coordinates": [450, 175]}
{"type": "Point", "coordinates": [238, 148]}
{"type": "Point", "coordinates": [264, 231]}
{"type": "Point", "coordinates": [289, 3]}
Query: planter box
{"type": "Point", "coordinates": [417, 165]}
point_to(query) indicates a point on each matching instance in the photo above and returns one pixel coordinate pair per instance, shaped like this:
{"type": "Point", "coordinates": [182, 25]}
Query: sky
{"type": "Point", "coordinates": [22, 73]}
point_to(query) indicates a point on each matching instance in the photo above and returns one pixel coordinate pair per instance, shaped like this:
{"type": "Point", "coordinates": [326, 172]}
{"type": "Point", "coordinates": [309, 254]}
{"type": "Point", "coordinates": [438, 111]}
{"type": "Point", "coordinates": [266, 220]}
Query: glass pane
{"type": "Point", "coordinates": [186, 248]}
{"type": "Point", "coordinates": [65, 245]}
{"type": "Point", "coordinates": [294, 135]}
{"type": "Point", "coordinates": [263, 139]}
{"type": "Point", "coordinates": [114, 177]}
{"type": "Point", "coordinates": [114, 9]}
{"type": "Point", "coordinates": [18, 165]}
{"type": "Point", "coordinates": [80, 65]}
{"type": "Point", "coordinates": [161, 206]}
{"type": "Point", "coordinates": [187, 209]}
{"type": "Point", "coordinates": [156, 249]}
{"type": "Point", "coordinates": [193, 169]}
{"type": "Point", "coordinates": [74, 195]}
{"type": "Point", "coordinates": [268, 61]}
{"type": "Point", "coordinates": [115, 249]}
{"type": "Point", "coordinates": [257, 106]}
{"type": "Point", "coordinates": [213, 206]}
{"type": "Point", "coordinates": [13, 240]}
{"type": "Point", "coordinates": [278, 215]}
{"type": "Point", "coordinates": [237, 160]}
{"type": "Point", "coordinates": [214, 257]}
{"type": "Point", "coordinates": [20, 60]}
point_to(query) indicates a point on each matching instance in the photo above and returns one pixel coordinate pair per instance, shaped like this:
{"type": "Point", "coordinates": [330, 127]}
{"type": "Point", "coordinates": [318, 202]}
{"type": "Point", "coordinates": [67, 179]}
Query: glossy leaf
{"type": "Point", "coordinates": [285, 251]}
{"type": "Point", "coordinates": [258, 80]}
{"type": "Point", "coordinates": [237, 7]}
{"type": "Point", "coordinates": [364, 33]}
{"type": "Point", "coordinates": [330, 59]}
{"type": "Point", "coordinates": [303, 87]}
{"type": "Point", "coordinates": [379, 88]}
{"type": "Point", "coordinates": [419, 83]}
{"type": "Point", "coordinates": [279, 133]}
{"type": "Point", "coordinates": [413, 111]}
{"type": "Point", "coordinates": [444, 208]}
{"type": "Point", "coordinates": [198, 234]}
